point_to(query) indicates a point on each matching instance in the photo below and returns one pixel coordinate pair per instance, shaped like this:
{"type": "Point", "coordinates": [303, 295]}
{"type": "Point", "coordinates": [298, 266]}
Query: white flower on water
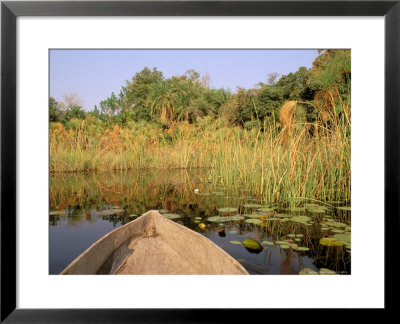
{"type": "Point", "coordinates": [196, 191]}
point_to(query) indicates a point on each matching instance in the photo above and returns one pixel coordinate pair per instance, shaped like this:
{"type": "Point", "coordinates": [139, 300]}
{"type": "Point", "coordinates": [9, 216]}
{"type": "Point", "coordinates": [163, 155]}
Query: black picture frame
{"type": "Point", "coordinates": [10, 10]}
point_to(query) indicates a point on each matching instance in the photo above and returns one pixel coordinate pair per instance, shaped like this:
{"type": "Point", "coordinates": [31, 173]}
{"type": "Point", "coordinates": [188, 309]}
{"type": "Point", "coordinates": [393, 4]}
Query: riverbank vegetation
{"type": "Point", "coordinates": [286, 139]}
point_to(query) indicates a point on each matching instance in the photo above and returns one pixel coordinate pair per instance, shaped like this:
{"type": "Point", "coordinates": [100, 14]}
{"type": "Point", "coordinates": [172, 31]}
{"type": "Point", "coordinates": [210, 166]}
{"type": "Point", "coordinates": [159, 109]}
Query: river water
{"type": "Point", "coordinates": [82, 209]}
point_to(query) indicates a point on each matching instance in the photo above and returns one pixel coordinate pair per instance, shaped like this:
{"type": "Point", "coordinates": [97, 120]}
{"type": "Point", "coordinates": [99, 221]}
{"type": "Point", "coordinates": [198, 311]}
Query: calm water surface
{"type": "Point", "coordinates": [77, 218]}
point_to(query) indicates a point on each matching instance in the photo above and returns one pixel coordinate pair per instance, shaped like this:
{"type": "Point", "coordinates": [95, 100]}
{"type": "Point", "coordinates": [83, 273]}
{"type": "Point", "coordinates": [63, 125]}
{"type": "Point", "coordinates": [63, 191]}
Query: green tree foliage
{"type": "Point", "coordinates": [54, 111]}
{"type": "Point", "coordinates": [148, 96]}
{"type": "Point", "coordinates": [135, 95]}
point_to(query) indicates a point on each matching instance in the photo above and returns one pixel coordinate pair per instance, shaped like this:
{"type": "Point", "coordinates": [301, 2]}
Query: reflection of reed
{"type": "Point", "coordinates": [129, 189]}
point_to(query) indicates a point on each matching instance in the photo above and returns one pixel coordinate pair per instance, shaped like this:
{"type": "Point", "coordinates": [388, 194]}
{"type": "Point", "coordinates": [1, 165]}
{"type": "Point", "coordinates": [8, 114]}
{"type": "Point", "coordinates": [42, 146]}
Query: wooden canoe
{"type": "Point", "coordinates": [153, 244]}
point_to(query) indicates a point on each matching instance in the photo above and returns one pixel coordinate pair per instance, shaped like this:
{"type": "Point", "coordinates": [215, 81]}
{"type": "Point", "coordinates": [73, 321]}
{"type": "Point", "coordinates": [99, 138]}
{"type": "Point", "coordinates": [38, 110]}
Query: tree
{"type": "Point", "coordinates": [55, 114]}
{"type": "Point", "coordinates": [135, 94]}
{"type": "Point", "coordinates": [161, 102]}
{"type": "Point", "coordinates": [271, 78]}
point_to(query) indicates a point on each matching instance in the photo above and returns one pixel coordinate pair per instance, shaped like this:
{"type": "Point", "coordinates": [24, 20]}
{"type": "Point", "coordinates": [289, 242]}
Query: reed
{"type": "Point", "coordinates": [290, 163]}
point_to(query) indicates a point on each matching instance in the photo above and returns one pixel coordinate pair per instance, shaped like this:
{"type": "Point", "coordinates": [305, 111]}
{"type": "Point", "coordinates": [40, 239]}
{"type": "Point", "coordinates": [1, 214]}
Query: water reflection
{"type": "Point", "coordinates": [84, 207]}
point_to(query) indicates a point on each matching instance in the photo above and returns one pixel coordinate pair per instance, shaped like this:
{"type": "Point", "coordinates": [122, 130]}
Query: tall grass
{"type": "Point", "coordinates": [281, 163]}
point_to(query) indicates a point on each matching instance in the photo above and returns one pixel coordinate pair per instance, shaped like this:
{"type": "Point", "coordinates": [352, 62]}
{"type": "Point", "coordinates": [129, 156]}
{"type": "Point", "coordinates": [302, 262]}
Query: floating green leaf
{"type": "Point", "coordinates": [252, 205]}
{"type": "Point", "coordinates": [228, 210]}
{"type": "Point", "coordinates": [324, 271]}
{"type": "Point", "coordinates": [346, 237]}
{"type": "Point", "coordinates": [266, 209]}
{"type": "Point", "coordinates": [255, 221]}
{"type": "Point", "coordinates": [284, 246]}
{"type": "Point", "coordinates": [172, 216]}
{"type": "Point", "coordinates": [345, 208]}
{"type": "Point", "coordinates": [108, 212]}
{"type": "Point", "coordinates": [327, 241]}
{"type": "Point", "coordinates": [251, 244]}
{"type": "Point", "coordinates": [282, 242]}
{"type": "Point", "coordinates": [302, 248]}
{"type": "Point", "coordinates": [235, 242]}
{"type": "Point", "coordinates": [308, 271]}
{"type": "Point", "coordinates": [57, 212]}
{"type": "Point", "coordinates": [163, 211]}
{"type": "Point", "coordinates": [267, 243]}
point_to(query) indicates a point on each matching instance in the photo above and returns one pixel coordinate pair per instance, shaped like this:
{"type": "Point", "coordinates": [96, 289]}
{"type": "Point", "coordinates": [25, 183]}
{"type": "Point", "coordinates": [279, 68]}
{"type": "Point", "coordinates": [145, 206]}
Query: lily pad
{"type": "Point", "coordinates": [346, 237]}
{"type": "Point", "coordinates": [327, 241]}
{"type": "Point", "coordinates": [337, 231]}
{"type": "Point", "coordinates": [251, 244]}
{"type": "Point", "coordinates": [282, 242]}
{"type": "Point", "coordinates": [308, 271]}
{"type": "Point", "coordinates": [291, 235]}
{"type": "Point", "coordinates": [345, 208]}
{"type": "Point", "coordinates": [284, 246]}
{"type": "Point", "coordinates": [108, 212]}
{"type": "Point", "coordinates": [252, 206]}
{"type": "Point", "coordinates": [297, 239]}
{"type": "Point", "coordinates": [317, 210]}
{"type": "Point", "coordinates": [235, 242]}
{"type": "Point", "coordinates": [266, 209]}
{"type": "Point", "coordinates": [301, 219]}
{"type": "Point", "coordinates": [307, 206]}
{"type": "Point", "coordinates": [302, 248]}
{"type": "Point", "coordinates": [324, 271]}
{"type": "Point", "coordinates": [163, 211]}
{"type": "Point", "coordinates": [255, 221]}
{"type": "Point", "coordinates": [202, 226]}
{"type": "Point", "coordinates": [172, 216]}
{"type": "Point", "coordinates": [57, 212]}
{"type": "Point", "coordinates": [228, 210]}
{"type": "Point", "coordinates": [196, 221]}
{"type": "Point", "coordinates": [296, 209]}
{"type": "Point", "coordinates": [132, 215]}
{"type": "Point", "coordinates": [267, 243]}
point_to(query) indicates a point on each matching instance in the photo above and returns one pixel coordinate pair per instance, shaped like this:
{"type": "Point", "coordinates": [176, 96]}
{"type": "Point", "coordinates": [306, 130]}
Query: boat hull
{"type": "Point", "coordinates": [153, 244]}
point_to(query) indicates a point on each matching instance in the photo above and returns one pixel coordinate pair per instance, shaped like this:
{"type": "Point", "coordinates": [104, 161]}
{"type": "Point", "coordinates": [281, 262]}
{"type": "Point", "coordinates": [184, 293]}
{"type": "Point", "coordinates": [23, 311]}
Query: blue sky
{"type": "Point", "coordinates": [94, 74]}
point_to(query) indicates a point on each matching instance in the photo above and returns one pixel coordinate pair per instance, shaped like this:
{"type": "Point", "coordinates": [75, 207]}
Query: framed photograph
{"type": "Point", "coordinates": [219, 155]}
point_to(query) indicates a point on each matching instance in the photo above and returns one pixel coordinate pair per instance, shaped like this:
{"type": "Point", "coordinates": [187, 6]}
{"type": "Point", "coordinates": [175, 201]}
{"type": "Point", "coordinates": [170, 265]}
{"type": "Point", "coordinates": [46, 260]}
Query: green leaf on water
{"type": "Point", "coordinates": [57, 212]}
{"type": "Point", "coordinates": [284, 246]}
{"type": "Point", "coordinates": [282, 242]}
{"type": "Point", "coordinates": [163, 211]}
{"type": "Point", "coordinates": [308, 271]}
{"type": "Point", "coordinates": [228, 210]}
{"type": "Point", "coordinates": [324, 271]}
{"type": "Point", "coordinates": [235, 242]}
{"type": "Point", "coordinates": [267, 243]}
{"type": "Point", "coordinates": [327, 241]}
{"type": "Point", "coordinates": [291, 235]}
{"type": "Point", "coordinates": [345, 237]}
{"type": "Point", "coordinates": [251, 244]}
{"type": "Point", "coordinates": [345, 208]}
{"type": "Point", "coordinates": [252, 205]}
{"type": "Point", "coordinates": [132, 215]}
{"type": "Point", "coordinates": [108, 212]}
{"type": "Point", "coordinates": [266, 209]}
{"type": "Point", "coordinates": [255, 221]}
{"type": "Point", "coordinates": [337, 231]}
{"type": "Point", "coordinates": [307, 206]}
{"type": "Point", "coordinates": [172, 216]}
{"type": "Point", "coordinates": [302, 248]}
{"type": "Point", "coordinates": [298, 239]}
{"type": "Point", "coordinates": [301, 219]}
